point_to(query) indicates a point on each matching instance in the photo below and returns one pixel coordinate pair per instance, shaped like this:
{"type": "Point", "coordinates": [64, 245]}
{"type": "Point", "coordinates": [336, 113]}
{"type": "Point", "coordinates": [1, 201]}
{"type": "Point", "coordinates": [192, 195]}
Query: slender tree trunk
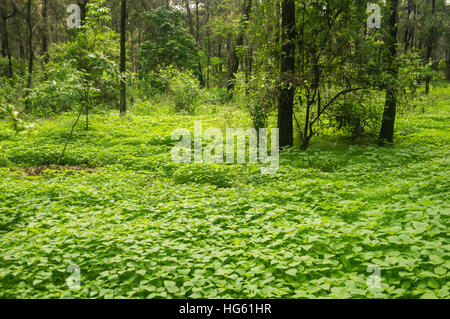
{"type": "Point", "coordinates": [219, 55]}
{"type": "Point", "coordinates": [21, 50]}
{"type": "Point", "coordinates": [83, 7]}
{"type": "Point", "coordinates": [407, 36]}
{"type": "Point", "coordinates": [197, 41]}
{"type": "Point", "coordinates": [287, 92]}
{"type": "Point", "coordinates": [197, 30]}
{"type": "Point", "coordinates": [208, 44]}
{"type": "Point", "coordinates": [189, 18]}
{"type": "Point", "coordinates": [44, 31]}
{"type": "Point", "coordinates": [249, 56]}
{"type": "Point", "coordinates": [123, 53]}
{"type": "Point", "coordinates": [430, 42]}
{"type": "Point", "coordinates": [414, 30]}
{"type": "Point", "coordinates": [30, 53]}
{"type": "Point", "coordinates": [234, 59]}
{"type": "Point", "coordinates": [447, 63]}
{"type": "Point", "coordinates": [5, 40]}
{"type": "Point", "coordinates": [388, 123]}
{"type": "Point", "coordinates": [248, 69]}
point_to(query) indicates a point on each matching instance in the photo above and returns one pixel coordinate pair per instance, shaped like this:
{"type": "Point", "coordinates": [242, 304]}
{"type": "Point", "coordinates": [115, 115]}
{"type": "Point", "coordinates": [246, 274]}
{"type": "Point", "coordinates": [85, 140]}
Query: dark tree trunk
{"type": "Point", "coordinates": [6, 51]}
{"type": "Point", "coordinates": [414, 28]}
{"type": "Point", "coordinates": [123, 54]}
{"type": "Point", "coordinates": [83, 7]}
{"type": "Point", "coordinates": [447, 63]}
{"type": "Point", "coordinates": [21, 49]}
{"type": "Point", "coordinates": [388, 123]}
{"type": "Point", "coordinates": [197, 30]}
{"type": "Point", "coordinates": [248, 70]}
{"type": "Point", "coordinates": [429, 51]}
{"type": "Point", "coordinates": [197, 41]}
{"type": "Point", "coordinates": [234, 59]}
{"type": "Point", "coordinates": [44, 32]}
{"type": "Point", "coordinates": [189, 18]}
{"type": "Point", "coordinates": [208, 44]}
{"type": "Point", "coordinates": [30, 53]}
{"type": "Point", "coordinates": [287, 92]}
{"type": "Point", "coordinates": [408, 30]}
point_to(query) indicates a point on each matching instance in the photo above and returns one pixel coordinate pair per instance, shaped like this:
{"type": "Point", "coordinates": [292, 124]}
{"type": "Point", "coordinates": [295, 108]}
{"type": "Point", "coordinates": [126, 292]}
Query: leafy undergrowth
{"type": "Point", "coordinates": [140, 226]}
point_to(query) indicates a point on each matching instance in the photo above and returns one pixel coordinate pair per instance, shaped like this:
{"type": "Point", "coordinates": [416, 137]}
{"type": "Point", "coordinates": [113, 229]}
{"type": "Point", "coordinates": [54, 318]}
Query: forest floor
{"type": "Point", "coordinates": [135, 224]}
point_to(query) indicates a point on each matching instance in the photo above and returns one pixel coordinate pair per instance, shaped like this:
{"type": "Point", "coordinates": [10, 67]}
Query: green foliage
{"type": "Point", "coordinates": [81, 69]}
{"type": "Point", "coordinates": [205, 174]}
{"type": "Point", "coordinates": [9, 114]}
{"type": "Point", "coordinates": [62, 91]}
{"type": "Point", "coordinates": [263, 92]}
{"type": "Point", "coordinates": [140, 226]}
{"type": "Point", "coordinates": [166, 42]}
{"type": "Point", "coordinates": [183, 88]}
{"type": "Point", "coordinates": [357, 115]}
{"type": "Point", "coordinates": [17, 65]}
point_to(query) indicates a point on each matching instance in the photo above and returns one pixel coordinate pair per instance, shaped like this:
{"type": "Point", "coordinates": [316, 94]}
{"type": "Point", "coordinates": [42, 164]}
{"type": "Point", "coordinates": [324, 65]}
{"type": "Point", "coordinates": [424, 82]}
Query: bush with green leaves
{"type": "Point", "coordinates": [358, 115]}
{"type": "Point", "coordinates": [61, 91]}
{"type": "Point", "coordinates": [182, 87]}
{"type": "Point", "coordinates": [84, 65]}
{"type": "Point", "coordinates": [12, 90]}
{"type": "Point", "coordinates": [262, 98]}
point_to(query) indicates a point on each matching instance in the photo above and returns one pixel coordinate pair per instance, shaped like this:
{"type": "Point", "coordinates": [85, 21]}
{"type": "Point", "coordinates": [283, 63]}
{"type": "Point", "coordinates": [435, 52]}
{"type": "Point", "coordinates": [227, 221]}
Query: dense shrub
{"type": "Point", "coordinates": [356, 115]}
{"type": "Point", "coordinates": [82, 69]}
{"type": "Point", "coordinates": [182, 87]}
{"type": "Point", "coordinates": [62, 91]}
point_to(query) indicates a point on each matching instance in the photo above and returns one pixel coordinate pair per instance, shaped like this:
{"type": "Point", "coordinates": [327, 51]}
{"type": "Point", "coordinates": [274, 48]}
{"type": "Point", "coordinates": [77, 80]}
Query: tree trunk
{"type": "Point", "coordinates": [408, 32]}
{"type": "Point", "coordinates": [189, 18]}
{"type": "Point", "coordinates": [30, 54]}
{"type": "Point", "coordinates": [447, 63]}
{"type": "Point", "coordinates": [208, 44]}
{"type": "Point", "coordinates": [44, 31]}
{"type": "Point", "coordinates": [123, 53]}
{"type": "Point", "coordinates": [83, 8]}
{"type": "Point", "coordinates": [6, 51]}
{"type": "Point", "coordinates": [388, 123]}
{"type": "Point", "coordinates": [197, 30]}
{"type": "Point", "coordinates": [197, 41]}
{"type": "Point", "coordinates": [431, 39]}
{"type": "Point", "coordinates": [287, 92]}
{"type": "Point", "coordinates": [234, 59]}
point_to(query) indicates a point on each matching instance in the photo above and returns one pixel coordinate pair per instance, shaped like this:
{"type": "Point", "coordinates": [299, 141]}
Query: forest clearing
{"type": "Point", "coordinates": [140, 226]}
{"type": "Point", "coordinates": [235, 149]}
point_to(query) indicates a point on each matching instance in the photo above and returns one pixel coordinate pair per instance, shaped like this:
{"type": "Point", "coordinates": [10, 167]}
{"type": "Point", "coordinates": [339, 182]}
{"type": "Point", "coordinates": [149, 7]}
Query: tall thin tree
{"type": "Point", "coordinates": [6, 51]}
{"type": "Point", "coordinates": [234, 57]}
{"type": "Point", "coordinates": [430, 43]}
{"type": "Point", "coordinates": [44, 31]}
{"type": "Point", "coordinates": [390, 107]}
{"type": "Point", "coordinates": [123, 84]}
{"type": "Point", "coordinates": [287, 91]}
{"type": "Point", "coordinates": [30, 53]}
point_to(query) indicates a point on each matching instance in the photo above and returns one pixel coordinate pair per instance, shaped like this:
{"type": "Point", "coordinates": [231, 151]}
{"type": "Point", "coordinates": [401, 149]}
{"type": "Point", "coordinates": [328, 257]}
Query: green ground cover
{"type": "Point", "coordinates": [138, 225]}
